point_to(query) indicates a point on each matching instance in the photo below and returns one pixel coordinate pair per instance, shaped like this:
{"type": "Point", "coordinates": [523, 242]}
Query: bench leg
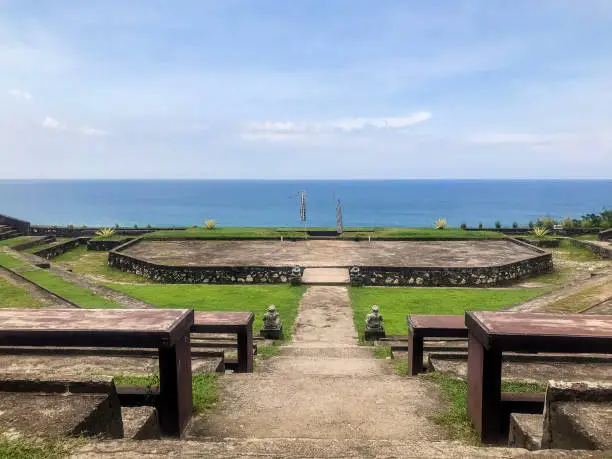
{"type": "Point", "coordinates": [175, 404]}
{"type": "Point", "coordinates": [245, 351]}
{"type": "Point", "coordinates": [415, 354]}
{"type": "Point", "coordinates": [484, 390]}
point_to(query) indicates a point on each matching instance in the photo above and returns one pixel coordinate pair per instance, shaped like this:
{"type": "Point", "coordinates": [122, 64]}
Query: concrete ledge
{"type": "Point", "coordinates": [577, 415]}
{"type": "Point", "coordinates": [597, 248]}
{"type": "Point", "coordinates": [526, 431]}
{"type": "Point", "coordinates": [59, 248]}
{"type": "Point", "coordinates": [140, 423]}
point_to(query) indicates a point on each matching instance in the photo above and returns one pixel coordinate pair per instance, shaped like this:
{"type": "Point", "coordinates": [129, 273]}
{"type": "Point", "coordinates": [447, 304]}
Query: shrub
{"type": "Point", "coordinates": [480, 226]}
{"type": "Point", "coordinates": [70, 226]}
{"type": "Point", "coordinates": [105, 232]}
{"type": "Point", "coordinates": [567, 223]}
{"type": "Point", "coordinates": [209, 224]}
{"type": "Point", "coordinates": [539, 231]}
{"type": "Point", "coordinates": [440, 223]}
{"type": "Point", "coordinates": [498, 224]}
{"type": "Point", "coordinates": [135, 226]}
{"type": "Point", "coordinates": [116, 225]}
{"type": "Point", "coordinates": [586, 224]}
{"type": "Point", "coordinates": [514, 225]}
{"type": "Point", "coordinates": [463, 226]}
{"type": "Point", "coordinates": [530, 224]}
{"type": "Point", "coordinates": [148, 226]}
{"type": "Point", "coordinates": [84, 226]}
{"type": "Point", "coordinates": [546, 222]}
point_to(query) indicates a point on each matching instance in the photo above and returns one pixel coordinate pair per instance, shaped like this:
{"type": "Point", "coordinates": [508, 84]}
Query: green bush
{"type": "Point", "coordinates": [440, 223]}
{"type": "Point", "coordinates": [514, 225]}
{"type": "Point", "coordinates": [546, 222]}
{"type": "Point", "coordinates": [567, 223]}
{"type": "Point", "coordinates": [498, 224]}
{"type": "Point", "coordinates": [209, 224]}
{"type": "Point", "coordinates": [463, 226]}
{"type": "Point", "coordinates": [480, 226]}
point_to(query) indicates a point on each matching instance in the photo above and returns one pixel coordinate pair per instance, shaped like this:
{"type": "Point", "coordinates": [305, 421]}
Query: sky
{"type": "Point", "coordinates": [305, 89]}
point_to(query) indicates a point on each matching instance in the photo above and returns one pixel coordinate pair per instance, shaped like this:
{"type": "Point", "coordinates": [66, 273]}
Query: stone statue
{"type": "Point", "coordinates": [272, 327]}
{"type": "Point", "coordinates": [373, 325]}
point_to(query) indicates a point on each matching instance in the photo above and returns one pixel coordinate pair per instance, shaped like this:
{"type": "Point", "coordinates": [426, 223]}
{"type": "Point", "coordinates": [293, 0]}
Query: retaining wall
{"type": "Point", "coordinates": [64, 231]}
{"type": "Point", "coordinates": [605, 235]}
{"type": "Point", "coordinates": [104, 245]}
{"type": "Point", "coordinates": [63, 247]}
{"type": "Point", "coordinates": [202, 274]}
{"type": "Point", "coordinates": [598, 248]}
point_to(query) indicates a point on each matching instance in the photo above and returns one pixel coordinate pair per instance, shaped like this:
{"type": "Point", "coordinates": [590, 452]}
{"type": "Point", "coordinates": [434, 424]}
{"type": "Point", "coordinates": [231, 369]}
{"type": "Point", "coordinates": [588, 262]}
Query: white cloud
{"type": "Point", "coordinates": [93, 132]}
{"type": "Point", "coordinates": [279, 131]}
{"type": "Point", "coordinates": [52, 123]}
{"type": "Point", "coordinates": [21, 94]}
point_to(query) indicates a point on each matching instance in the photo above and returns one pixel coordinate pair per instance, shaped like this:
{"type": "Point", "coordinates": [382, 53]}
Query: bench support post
{"type": "Point", "coordinates": [245, 350]}
{"type": "Point", "coordinates": [484, 390]}
{"type": "Point", "coordinates": [415, 353]}
{"type": "Point", "coordinates": [175, 403]}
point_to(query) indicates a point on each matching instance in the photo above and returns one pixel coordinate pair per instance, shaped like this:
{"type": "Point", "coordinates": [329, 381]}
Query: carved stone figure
{"type": "Point", "coordinates": [272, 327]}
{"type": "Point", "coordinates": [373, 325]}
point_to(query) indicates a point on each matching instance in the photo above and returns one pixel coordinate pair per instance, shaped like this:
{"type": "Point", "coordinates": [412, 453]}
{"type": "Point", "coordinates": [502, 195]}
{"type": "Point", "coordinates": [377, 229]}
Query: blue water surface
{"type": "Point", "coordinates": [276, 203]}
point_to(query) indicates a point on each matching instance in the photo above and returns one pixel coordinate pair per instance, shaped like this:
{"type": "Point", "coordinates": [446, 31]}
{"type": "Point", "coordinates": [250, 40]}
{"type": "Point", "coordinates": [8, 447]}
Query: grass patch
{"type": "Point", "coordinates": [381, 352]}
{"type": "Point", "coordinates": [578, 301]}
{"type": "Point", "coordinates": [572, 252]}
{"type": "Point", "coordinates": [455, 418]}
{"type": "Point", "coordinates": [79, 295]}
{"type": "Point", "coordinates": [426, 233]}
{"type": "Point", "coordinates": [57, 241]}
{"type": "Point", "coordinates": [94, 263]}
{"type": "Point", "coordinates": [268, 351]}
{"type": "Point", "coordinates": [9, 261]}
{"type": "Point", "coordinates": [227, 233]}
{"type": "Point", "coordinates": [16, 297]}
{"type": "Point", "coordinates": [254, 298]}
{"type": "Point", "coordinates": [114, 237]}
{"type": "Point", "coordinates": [205, 387]}
{"type": "Point", "coordinates": [17, 240]}
{"type": "Point", "coordinates": [30, 448]}
{"type": "Point", "coordinates": [396, 303]}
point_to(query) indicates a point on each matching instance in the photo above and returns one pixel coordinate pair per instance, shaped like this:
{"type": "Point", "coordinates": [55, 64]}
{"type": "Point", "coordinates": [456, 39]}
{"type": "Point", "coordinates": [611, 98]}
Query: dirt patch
{"type": "Point", "coordinates": [324, 253]}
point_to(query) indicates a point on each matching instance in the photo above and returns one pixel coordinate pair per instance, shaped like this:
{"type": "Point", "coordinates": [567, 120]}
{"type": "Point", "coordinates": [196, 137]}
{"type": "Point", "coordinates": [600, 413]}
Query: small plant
{"type": "Point", "coordinates": [530, 224]}
{"type": "Point", "coordinates": [546, 222]}
{"type": "Point", "coordinates": [480, 226]}
{"type": "Point", "coordinates": [586, 224]}
{"type": "Point", "coordinates": [148, 226]}
{"type": "Point", "coordinates": [70, 226]}
{"type": "Point", "coordinates": [105, 232]}
{"type": "Point", "coordinates": [116, 225]}
{"type": "Point", "coordinates": [84, 226]}
{"type": "Point", "coordinates": [498, 224]}
{"type": "Point", "coordinates": [463, 226]}
{"type": "Point", "coordinates": [135, 226]}
{"type": "Point", "coordinates": [539, 231]}
{"type": "Point", "coordinates": [209, 224]}
{"type": "Point", "coordinates": [514, 225]}
{"type": "Point", "coordinates": [441, 223]}
{"type": "Point", "coordinates": [567, 223]}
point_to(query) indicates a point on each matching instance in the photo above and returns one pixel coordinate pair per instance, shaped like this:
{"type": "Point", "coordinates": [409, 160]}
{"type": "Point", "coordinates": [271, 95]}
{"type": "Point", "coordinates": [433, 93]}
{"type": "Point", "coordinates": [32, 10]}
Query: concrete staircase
{"type": "Point", "coordinates": [6, 232]}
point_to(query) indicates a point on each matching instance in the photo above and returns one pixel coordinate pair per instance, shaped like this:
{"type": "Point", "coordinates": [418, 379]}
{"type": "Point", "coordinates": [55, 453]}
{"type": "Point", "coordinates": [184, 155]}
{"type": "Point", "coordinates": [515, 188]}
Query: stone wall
{"type": "Point", "coordinates": [487, 276]}
{"type": "Point", "coordinates": [65, 231]}
{"type": "Point", "coordinates": [544, 243]}
{"type": "Point", "coordinates": [598, 248]}
{"type": "Point", "coordinates": [20, 225]}
{"type": "Point", "coordinates": [104, 245]}
{"type": "Point", "coordinates": [63, 247]}
{"type": "Point", "coordinates": [202, 274]}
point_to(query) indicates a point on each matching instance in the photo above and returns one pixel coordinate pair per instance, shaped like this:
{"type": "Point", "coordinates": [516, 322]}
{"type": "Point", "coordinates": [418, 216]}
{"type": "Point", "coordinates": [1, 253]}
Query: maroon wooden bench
{"type": "Point", "coordinates": [240, 323]}
{"type": "Point", "coordinates": [430, 326]}
{"type": "Point", "coordinates": [165, 329]}
{"type": "Point", "coordinates": [492, 333]}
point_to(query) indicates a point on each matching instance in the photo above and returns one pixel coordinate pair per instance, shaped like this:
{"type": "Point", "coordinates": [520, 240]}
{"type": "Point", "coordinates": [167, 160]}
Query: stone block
{"type": "Point", "coordinates": [526, 431]}
{"type": "Point", "coordinates": [373, 335]}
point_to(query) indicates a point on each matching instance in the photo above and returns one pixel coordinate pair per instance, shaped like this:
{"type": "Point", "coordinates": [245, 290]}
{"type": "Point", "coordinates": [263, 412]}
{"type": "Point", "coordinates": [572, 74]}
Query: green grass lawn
{"type": "Point", "coordinates": [205, 387]}
{"type": "Point", "coordinates": [94, 263]}
{"type": "Point", "coordinates": [12, 296]}
{"type": "Point", "coordinates": [396, 303]}
{"type": "Point", "coordinates": [22, 447]}
{"type": "Point", "coordinates": [426, 233]}
{"type": "Point", "coordinates": [9, 261]}
{"type": "Point", "coordinates": [16, 240]}
{"type": "Point", "coordinates": [227, 233]}
{"type": "Point", "coordinates": [454, 418]}
{"type": "Point", "coordinates": [58, 240]}
{"type": "Point", "coordinates": [254, 298]}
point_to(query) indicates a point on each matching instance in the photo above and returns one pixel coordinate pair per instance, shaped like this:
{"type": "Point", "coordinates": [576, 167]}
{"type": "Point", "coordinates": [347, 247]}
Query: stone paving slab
{"type": "Point", "coordinates": [334, 253]}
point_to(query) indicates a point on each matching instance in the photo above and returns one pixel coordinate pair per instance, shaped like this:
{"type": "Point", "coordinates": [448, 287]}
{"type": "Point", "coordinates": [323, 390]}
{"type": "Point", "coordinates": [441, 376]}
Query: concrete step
{"type": "Point", "coordinates": [140, 423]}
{"type": "Point", "coordinates": [326, 276]}
{"type": "Point", "coordinates": [8, 235]}
{"type": "Point", "coordinates": [304, 447]}
{"type": "Point", "coordinates": [526, 431]}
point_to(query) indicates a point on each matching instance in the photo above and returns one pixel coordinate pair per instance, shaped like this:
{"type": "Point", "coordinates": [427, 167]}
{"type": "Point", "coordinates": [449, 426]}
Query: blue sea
{"type": "Point", "coordinates": [276, 203]}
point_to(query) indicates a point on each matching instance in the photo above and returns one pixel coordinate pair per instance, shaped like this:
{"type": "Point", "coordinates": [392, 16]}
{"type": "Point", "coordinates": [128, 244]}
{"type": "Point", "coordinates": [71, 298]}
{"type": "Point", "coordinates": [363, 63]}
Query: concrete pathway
{"type": "Point", "coordinates": [326, 276]}
{"type": "Point", "coordinates": [323, 386]}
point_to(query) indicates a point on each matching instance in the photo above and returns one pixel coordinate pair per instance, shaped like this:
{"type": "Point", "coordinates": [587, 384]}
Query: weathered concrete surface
{"type": "Point", "coordinates": [323, 386]}
{"type": "Point", "coordinates": [533, 370]}
{"type": "Point", "coordinates": [334, 253]}
{"type": "Point", "coordinates": [324, 276]}
{"type": "Point", "coordinates": [578, 415]}
{"type": "Point", "coordinates": [140, 423]}
{"type": "Point", "coordinates": [41, 366]}
{"type": "Point", "coordinates": [310, 447]}
{"type": "Point", "coordinates": [526, 431]}
{"type": "Point", "coordinates": [54, 415]}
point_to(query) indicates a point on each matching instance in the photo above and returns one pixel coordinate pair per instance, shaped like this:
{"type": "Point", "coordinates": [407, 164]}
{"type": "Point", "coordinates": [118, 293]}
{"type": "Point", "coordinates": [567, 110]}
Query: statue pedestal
{"type": "Point", "coordinates": [271, 333]}
{"type": "Point", "coordinates": [373, 334]}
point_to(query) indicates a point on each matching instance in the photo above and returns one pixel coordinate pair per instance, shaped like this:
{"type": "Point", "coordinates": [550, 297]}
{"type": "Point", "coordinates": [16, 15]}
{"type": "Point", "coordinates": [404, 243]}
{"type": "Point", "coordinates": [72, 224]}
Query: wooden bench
{"type": "Point", "coordinates": [422, 326]}
{"type": "Point", "coordinates": [165, 329]}
{"type": "Point", "coordinates": [492, 333]}
{"type": "Point", "coordinates": [240, 323]}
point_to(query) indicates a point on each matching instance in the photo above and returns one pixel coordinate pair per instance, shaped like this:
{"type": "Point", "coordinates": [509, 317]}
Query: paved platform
{"type": "Point", "coordinates": [326, 276]}
{"type": "Point", "coordinates": [332, 253]}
